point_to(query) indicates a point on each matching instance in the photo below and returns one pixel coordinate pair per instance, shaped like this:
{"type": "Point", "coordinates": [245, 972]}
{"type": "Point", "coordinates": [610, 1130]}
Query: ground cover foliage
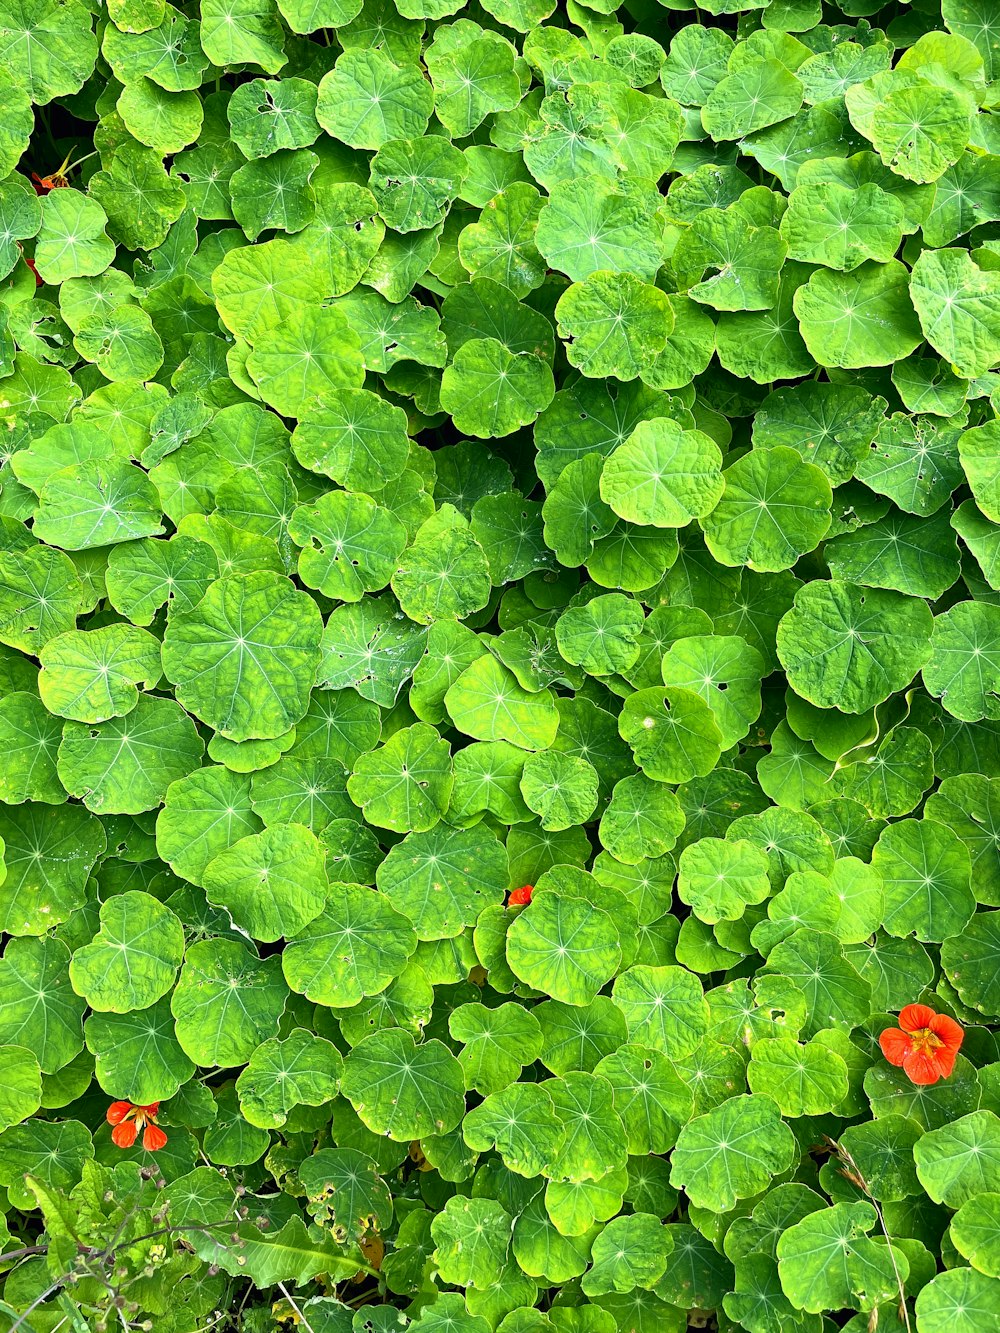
{"type": "Point", "coordinates": [450, 449]}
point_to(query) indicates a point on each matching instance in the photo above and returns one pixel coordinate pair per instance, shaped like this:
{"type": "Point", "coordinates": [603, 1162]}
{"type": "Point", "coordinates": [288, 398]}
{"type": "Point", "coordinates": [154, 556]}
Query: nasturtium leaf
{"type": "Point", "coordinates": [961, 1300]}
{"type": "Point", "coordinates": [671, 732]}
{"type": "Point", "coordinates": [366, 100]}
{"type": "Point", "coordinates": [496, 1044]}
{"type": "Point", "coordinates": [759, 93]}
{"type": "Point", "coordinates": [731, 1152]}
{"type": "Point", "coordinates": [964, 667]}
{"type": "Point", "coordinates": [349, 545]}
{"type": "Point", "coordinates": [958, 1161]}
{"type": "Point", "coordinates": [921, 130]}
{"type": "Point", "coordinates": [245, 658]}
{"type": "Point", "coordinates": [718, 879]}
{"type": "Point", "coordinates": [406, 784]}
{"type": "Point", "coordinates": [38, 1007]}
{"type": "Point", "coordinates": [92, 676]}
{"type": "Point", "coordinates": [354, 948]}
{"type": "Point", "coordinates": [137, 1056]}
{"type": "Point", "coordinates": [613, 324]}
{"type": "Point", "coordinates": [912, 555]}
{"type": "Point", "coordinates": [742, 262]}
{"type": "Point", "coordinates": [664, 1008]}
{"type": "Point", "coordinates": [563, 948]}
{"type": "Point", "coordinates": [804, 1079]}
{"type": "Point", "coordinates": [299, 1070]}
{"type": "Point", "coordinates": [774, 508]}
{"type": "Point", "coordinates": [861, 318]}
{"type": "Point", "coordinates": [956, 302]}
{"type": "Point", "coordinates": [72, 242]}
{"type": "Point", "coordinates": [133, 959]}
{"type": "Point", "coordinates": [124, 765]}
{"type": "Point", "coordinates": [487, 703]}
{"type": "Point", "coordinates": [642, 819]}
{"type": "Point", "coordinates": [97, 504]}
{"type": "Point", "coordinates": [444, 573]}
{"type": "Point", "coordinates": [827, 1259]}
{"type": "Point", "coordinates": [267, 115]}
{"type": "Point", "coordinates": [849, 647]}
{"type": "Point", "coordinates": [663, 475]}
{"type": "Point", "coordinates": [472, 1238]}
{"type": "Point", "coordinates": [226, 1002]}
{"type": "Point", "coordinates": [814, 961]}
{"type": "Point", "coordinates": [298, 363]}
{"type": "Point", "coordinates": [925, 870]}
{"type": "Point", "coordinates": [586, 226]}
{"type": "Point", "coordinates": [272, 883]}
{"type": "Point", "coordinates": [491, 391]}
{"type": "Point", "coordinates": [975, 1230]}
{"type": "Point", "coordinates": [29, 739]}
{"type": "Point", "coordinates": [840, 228]}
{"type": "Point", "coordinates": [440, 881]}
{"type": "Point", "coordinates": [21, 1088]}
{"type": "Point", "coordinates": [401, 1089]}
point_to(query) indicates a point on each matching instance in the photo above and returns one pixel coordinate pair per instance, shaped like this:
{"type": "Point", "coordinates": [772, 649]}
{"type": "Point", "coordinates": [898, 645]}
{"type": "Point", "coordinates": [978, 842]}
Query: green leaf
{"type": "Point", "coordinates": [563, 948]}
{"type": "Point", "coordinates": [491, 391]}
{"type": "Point", "coordinates": [271, 883]}
{"type": "Point", "coordinates": [49, 854]}
{"type": "Point", "coordinates": [925, 870]}
{"type": "Point", "coordinates": [975, 1231]}
{"type": "Point", "coordinates": [613, 324]}
{"type": "Point", "coordinates": [956, 302]}
{"type": "Point", "coordinates": [718, 878]}
{"type": "Point", "coordinates": [403, 1090]}
{"type": "Point", "coordinates": [663, 475]}
{"type": "Point", "coordinates": [21, 1088]}
{"type": "Point", "coordinates": [472, 1238]}
{"type": "Point", "coordinates": [137, 1055]}
{"type": "Point", "coordinates": [92, 676]}
{"type": "Point", "coordinates": [38, 1009]}
{"type": "Point", "coordinates": [664, 1009]}
{"type": "Point", "coordinates": [301, 1070]}
{"type": "Point", "coordinates": [672, 733]}
{"type": "Point", "coordinates": [487, 703]}
{"type": "Point", "coordinates": [775, 507]}
{"type": "Point", "coordinates": [226, 1002]}
{"type": "Point", "coordinates": [133, 959]}
{"type": "Point", "coordinates": [366, 100]}
{"type": "Point", "coordinates": [245, 658]}
{"type": "Point", "coordinates": [406, 784]}
{"type": "Point", "coordinates": [444, 574]}
{"type": "Point", "coordinates": [862, 318]}
{"type": "Point", "coordinates": [125, 765]}
{"type": "Point", "coordinates": [960, 1300]}
{"type": "Point", "coordinates": [72, 242]}
{"type": "Point", "coordinates": [802, 1079]}
{"type": "Point", "coordinates": [827, 1260]}
{"type": "Point", "coordinates": [959, 1161]}
{"type": "Point", "coordinates": [840, 228]}
{"type": "Point", "coordinates": [442, 879]}
{"type": "Point", "coordinates": [731, 1152]}
{"type": "Point", "coordinates": [848, 647]}
{"type": "Point", "coordinates": [354, 948]}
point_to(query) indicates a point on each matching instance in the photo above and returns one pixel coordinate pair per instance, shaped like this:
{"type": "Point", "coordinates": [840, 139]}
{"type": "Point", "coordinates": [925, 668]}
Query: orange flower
{"type": "Point", "coordinates": [521, 897]}
{"type": "Point", "coordinates": [128, 1119]}
{"type": "Point", "coordinates": [925, 1044]}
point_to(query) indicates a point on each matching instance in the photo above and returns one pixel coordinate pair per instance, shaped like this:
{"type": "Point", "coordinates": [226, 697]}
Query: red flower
{"type": "Point", "coordinates": [128, 1119]}
{"type": "Point", "coordinates": [925, 1043]}
{"type": "Point", "coordinates": [38, 276]}
{"type": "Point", "coordinates": [521, 897]}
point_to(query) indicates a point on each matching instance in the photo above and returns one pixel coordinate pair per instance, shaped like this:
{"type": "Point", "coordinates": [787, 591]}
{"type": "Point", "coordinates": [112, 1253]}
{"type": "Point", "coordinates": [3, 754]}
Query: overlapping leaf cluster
{"type": "Point", "coordinates": [455, 446]}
